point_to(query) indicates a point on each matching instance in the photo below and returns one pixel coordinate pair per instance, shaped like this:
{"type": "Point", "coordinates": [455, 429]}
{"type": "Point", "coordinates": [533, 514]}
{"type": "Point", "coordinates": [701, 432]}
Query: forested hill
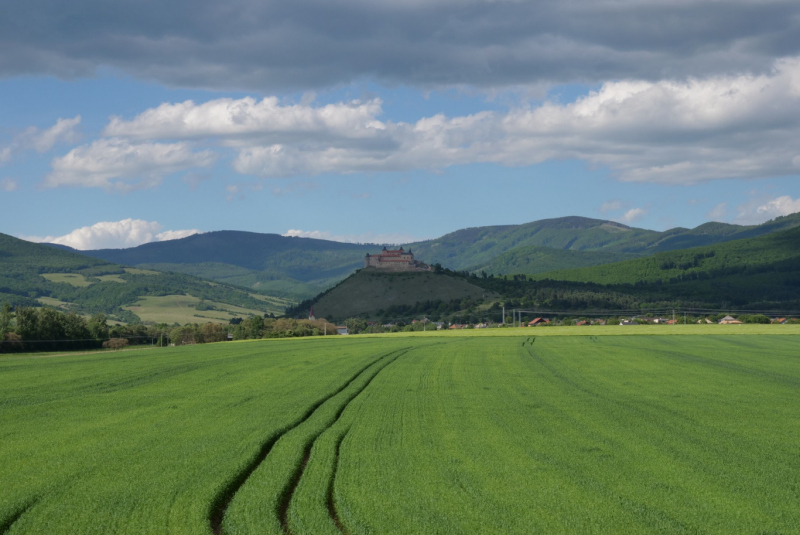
{"type": "Point", "coordinates": [474, 247]}
{"type": "Point", "coordinates": [533, 259]}
{"type": "Point", "coordinates": [33, 274]}
{"type": "Point", "coordinates": [249, 250]}
{"type": "Point", "coordinates": [299, 268]}
{"type": "Point", "coordinates": [775, 256]}
{"type": "Point", "coordinates": [272, 264]}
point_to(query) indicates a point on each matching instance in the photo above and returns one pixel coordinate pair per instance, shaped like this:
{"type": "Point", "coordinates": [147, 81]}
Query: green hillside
{"type": "Point", "coordinates": [535, 259]}
{"type": "Point", "coordinates": [755, 273]}
{"type": "Point", "coordinates": [294, 268]}
{"type": "Point", "coordinates": [751, 274]}
{"type": "Point", "coordinates": [299, 268]}
{"type": "Point", "coordinates": [372, 294]}
{"type": "Point", "coordinates": [33, 274]}
{"type": "Point", "coordinates": [474, 247]}
{"type": "Point", "coordinates": [776, 255]}
{"type": "Point", "coordinates": [266, 282]}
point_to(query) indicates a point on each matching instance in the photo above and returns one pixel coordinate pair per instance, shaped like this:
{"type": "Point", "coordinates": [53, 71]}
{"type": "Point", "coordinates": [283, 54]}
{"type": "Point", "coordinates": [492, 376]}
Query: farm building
{"type": "Point", "coordinates": [729, 320]}
{"type": "Point", "coordinates": [538, 321]}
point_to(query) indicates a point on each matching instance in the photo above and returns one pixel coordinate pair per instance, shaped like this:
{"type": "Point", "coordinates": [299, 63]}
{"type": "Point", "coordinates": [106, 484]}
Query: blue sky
{"type": "Point", "coordinates": [407, 122]}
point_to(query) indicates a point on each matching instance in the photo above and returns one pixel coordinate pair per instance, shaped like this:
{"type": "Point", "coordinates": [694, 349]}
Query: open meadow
{"type": "Point", "coordinates": [501, 431]}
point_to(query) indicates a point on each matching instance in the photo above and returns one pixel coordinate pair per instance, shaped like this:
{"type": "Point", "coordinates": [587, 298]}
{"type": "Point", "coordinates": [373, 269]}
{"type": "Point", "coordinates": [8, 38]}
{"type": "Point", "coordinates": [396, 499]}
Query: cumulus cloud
{"type": "Point", "coordinates": [273, 45]}
{"type": "Point", "coordinates": [758, 211]}
{"type": "Point", "coordinates": [114, 235]}
{"type": "Point", "coordinates": [8, 184]}
{"type": "Point", "coordinates": [633, 215]}
{"type": "Point", "coordinates": [119, 165]}
{"type": "Point", "coordinates": [368, 237]}
{"type": "Point", "coordinates": [33, 138]}
{"type": "Point", "coordinates": [669, 131]}
{"type": "Point", "coordinates": [266, 120]}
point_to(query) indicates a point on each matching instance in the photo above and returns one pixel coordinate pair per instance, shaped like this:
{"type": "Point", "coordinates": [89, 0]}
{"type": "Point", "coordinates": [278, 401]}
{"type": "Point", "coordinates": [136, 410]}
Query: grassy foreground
{"type": "Point", "coordinates": [452, 433]}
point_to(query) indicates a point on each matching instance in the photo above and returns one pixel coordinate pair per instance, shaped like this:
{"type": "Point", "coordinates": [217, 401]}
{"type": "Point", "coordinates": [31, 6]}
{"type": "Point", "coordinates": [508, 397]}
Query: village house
{"type": "Point", "coordinates": [538, 321]}
{"type": "Point", "coordinates": [729, 320]}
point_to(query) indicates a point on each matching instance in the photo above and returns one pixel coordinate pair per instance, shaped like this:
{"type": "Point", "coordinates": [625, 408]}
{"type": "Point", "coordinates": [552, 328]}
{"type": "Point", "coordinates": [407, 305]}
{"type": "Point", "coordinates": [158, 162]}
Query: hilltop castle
{"type": "Point", "coordinates": [395, 260]}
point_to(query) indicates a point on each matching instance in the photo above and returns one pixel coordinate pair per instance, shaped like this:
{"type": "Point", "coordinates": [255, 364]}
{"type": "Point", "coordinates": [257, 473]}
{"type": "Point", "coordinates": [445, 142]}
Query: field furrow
{"type": "Point", "coordinates": [262, 503]}
{"type": "Point", "coordinates": [222, 501]}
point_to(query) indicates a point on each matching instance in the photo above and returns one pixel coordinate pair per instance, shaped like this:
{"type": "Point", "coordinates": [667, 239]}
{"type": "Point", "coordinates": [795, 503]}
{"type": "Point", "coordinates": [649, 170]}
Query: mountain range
{"type": "Point", "coordinates": [299, 268]}
{"type": "Point", "coordinates": [569, 262]}
{"type": "Point", "coordinates": [33, 274]}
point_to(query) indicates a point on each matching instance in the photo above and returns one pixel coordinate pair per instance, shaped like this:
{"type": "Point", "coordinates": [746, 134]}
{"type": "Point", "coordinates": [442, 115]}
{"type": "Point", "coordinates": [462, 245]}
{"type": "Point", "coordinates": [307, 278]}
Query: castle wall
{"type": "Point", "coordinates": [394, 261]}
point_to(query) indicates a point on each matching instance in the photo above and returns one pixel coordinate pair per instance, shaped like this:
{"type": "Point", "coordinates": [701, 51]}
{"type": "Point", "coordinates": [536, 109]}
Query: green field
{"type": "Point", "coordinates": [73, 279]}
{"type": "Point", "coordinates": [180, 309]}
{"type": "Point", "coordinates": [523, 431]}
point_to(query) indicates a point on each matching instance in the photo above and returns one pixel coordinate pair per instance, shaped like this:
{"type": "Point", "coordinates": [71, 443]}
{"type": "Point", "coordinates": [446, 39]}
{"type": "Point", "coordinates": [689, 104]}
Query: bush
{"type": "Point", "coordinates": [115, 343]}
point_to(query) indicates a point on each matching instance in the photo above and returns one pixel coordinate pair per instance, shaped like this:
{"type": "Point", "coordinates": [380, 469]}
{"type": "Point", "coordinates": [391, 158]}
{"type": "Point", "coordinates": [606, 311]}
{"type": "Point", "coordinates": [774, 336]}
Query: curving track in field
{"type": "Point", "coordinates": [9, 522]}
{"type": "Point", "coordinates": [223, 500]}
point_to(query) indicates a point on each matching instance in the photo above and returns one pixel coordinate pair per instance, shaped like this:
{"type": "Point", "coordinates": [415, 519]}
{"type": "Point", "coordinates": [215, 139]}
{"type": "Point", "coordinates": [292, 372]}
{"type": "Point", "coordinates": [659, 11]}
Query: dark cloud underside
{"type": "Point", "coordinates": [270, 46]}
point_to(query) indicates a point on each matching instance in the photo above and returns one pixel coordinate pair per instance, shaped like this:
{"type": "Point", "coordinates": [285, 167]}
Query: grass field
{"type": "Point", "coordinates": [527, 432]}
{"type": "Point", "coordinates": [74, 279]}
{"type": "Point", "coordinates": [180, 308]}
{"type": "Point", "coordinates": [49, 301]}
{"type": "Point", "coordinates": [112, 278]}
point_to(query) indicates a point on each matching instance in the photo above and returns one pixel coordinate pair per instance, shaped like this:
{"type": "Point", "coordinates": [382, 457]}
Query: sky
{"type": "Point", "coordinates": [392, 121]}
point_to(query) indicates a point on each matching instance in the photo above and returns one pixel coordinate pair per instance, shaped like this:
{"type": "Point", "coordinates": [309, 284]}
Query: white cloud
{"type": "Point", "coordinates": [32, 138]}
{"type": "Point", "coordinates": [718, 212]}
{"type": "Point", "coordinates": [114, 235]}
{"type": "Point", "coordinates": [8, 184]}
{"type": "Point", "coordinates": [611, 206]}
{"type": "Point", "coordinates": [758, 211]}
{"type": "Point", "coordinates": [64, 131]}
{"type": "Point", "coordinates": [368, 237]}
{"type": "Point", "coordinates": [175, 234]}
{"type": "Point", "coordinates": [248, 118]}
{"type": "Point", "coordinates": [633, 215]}
{"type": "Point", "coordinates": [678, 132]}
{"type": "Point", "coordinates": [116, 164]}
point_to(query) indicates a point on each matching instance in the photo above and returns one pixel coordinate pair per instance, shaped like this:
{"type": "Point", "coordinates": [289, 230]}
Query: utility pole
{"type": "Point", "coordinates": [673, 317]}
{"type": "Point", "coordinates": [504, 315]}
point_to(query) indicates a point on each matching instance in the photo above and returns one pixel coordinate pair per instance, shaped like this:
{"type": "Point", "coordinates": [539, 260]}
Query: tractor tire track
{"type": "Point", "coordinates": [220, 504]}
{"type": "Point", "coordinates": [9, 522]}
{"type": "Point", "coordinates": [332, 512]}
{"type": "Point", "coordinates": [289, 490]}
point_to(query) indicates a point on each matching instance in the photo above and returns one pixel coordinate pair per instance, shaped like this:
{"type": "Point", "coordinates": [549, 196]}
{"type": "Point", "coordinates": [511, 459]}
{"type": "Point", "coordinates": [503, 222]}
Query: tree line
{"type": "Point", "coordinates": [48, 329]}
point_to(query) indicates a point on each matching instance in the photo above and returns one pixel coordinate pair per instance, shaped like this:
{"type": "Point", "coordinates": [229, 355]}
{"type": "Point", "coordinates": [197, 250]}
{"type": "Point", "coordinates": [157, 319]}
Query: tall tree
{"type": "Point", "coordinates": [27, 323]}
{"type": "Point", "coordinates": [6, 315]}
